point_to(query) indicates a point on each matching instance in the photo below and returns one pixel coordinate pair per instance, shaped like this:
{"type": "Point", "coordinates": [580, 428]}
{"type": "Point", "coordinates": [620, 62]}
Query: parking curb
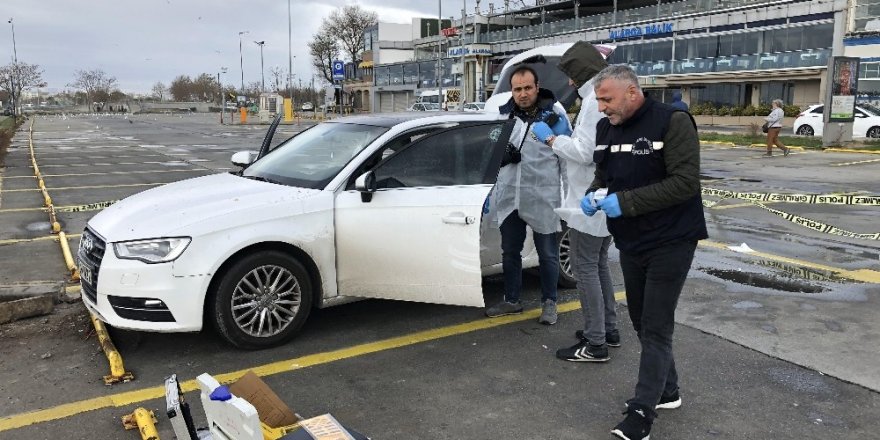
{"type": "Point", "coordinates": [849, 150]}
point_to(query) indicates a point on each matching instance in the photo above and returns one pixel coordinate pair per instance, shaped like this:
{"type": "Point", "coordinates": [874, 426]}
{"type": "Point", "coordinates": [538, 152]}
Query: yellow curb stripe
{"type": "Point", "coordinates": [863, 275]}
{"type": "Point", "coordinates": [793, 147]}
{"type": "Point", "coordinates": [130, 398]}
{"type": "Point", "coordinates": [189, 170]}
{"type": "Point", "coordinates": [858, 162]}
{"type": "Point", "coordinates": [850, 150]}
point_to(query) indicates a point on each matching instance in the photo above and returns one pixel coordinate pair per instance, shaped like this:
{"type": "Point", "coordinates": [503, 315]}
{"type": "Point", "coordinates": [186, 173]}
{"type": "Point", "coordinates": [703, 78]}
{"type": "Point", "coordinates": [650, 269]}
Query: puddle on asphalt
{"type": "Point", "coordinates": [763, 281]}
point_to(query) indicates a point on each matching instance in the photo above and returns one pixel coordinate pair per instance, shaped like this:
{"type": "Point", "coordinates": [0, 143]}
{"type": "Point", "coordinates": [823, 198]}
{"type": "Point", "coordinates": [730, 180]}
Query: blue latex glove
{"type": "Point", "coordinates": [486, 206]}
{"type": "Point", "coordinates": [587, 205]}
{"type": "Point", "coordinates": [611, 206]}
{"type": "Point", "coordinates": [542, 131]}
{"type": "Point", "coordinates": [561, 127]}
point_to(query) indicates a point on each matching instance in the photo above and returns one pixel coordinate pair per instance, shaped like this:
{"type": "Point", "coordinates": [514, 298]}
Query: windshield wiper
{"type": "Point", "coordinates": [263, 179]}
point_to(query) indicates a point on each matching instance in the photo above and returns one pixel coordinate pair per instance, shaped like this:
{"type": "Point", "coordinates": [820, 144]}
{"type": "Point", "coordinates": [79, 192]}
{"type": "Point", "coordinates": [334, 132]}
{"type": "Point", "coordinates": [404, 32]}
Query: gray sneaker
{"type": "Point", "coordinates": [548, 313]}
{"type": "Point", "coordinates": [504, 308]}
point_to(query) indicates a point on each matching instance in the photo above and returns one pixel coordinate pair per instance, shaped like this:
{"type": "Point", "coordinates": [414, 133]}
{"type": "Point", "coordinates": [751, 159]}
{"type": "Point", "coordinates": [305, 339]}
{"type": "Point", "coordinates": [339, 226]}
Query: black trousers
{"type": "Point", "coordinates": [653, 281]}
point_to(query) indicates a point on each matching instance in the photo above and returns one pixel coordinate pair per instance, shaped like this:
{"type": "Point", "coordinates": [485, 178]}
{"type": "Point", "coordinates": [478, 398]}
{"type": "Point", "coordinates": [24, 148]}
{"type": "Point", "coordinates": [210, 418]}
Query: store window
{"type": "Point", "coordinates": [867, 15]}
{"type": "Point", "coordinates": [718, 94]}
{"type": "Point", "coordinates": [776, 90]}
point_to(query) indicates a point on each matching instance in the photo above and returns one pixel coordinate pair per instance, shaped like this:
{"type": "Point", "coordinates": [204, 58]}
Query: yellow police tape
{"type": "Point", "coordinates": [817, 199]}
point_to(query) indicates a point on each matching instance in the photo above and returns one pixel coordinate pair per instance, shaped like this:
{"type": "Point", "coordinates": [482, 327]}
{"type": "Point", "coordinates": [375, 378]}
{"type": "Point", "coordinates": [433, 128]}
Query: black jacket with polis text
{"type": "Point", "coordinates": [652, 162]}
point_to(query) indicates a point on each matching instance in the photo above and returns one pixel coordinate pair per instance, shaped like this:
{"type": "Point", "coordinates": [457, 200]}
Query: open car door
{"type": "Point", "coordinates": [411, 230]}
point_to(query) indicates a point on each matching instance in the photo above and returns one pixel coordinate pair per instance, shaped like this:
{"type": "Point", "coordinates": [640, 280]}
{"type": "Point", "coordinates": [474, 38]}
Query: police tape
{"type": "Point", "coordinates": [813, 199]}
{"type": "Point", "coordinates": [83, 208]}
{"type": "Point", "coordinates": [757, 198]}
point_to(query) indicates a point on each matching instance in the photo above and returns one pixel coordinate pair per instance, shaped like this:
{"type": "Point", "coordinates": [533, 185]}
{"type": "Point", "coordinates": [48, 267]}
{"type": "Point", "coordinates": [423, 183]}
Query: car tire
{"type": "Point", "coordinates": [251, 310]}
{"type": "Point", "coordinates": [873, 132]}
{"type": "Point", "coordinates": [566, 274]}
{"type": "Point", "coordinates": [805, 130]}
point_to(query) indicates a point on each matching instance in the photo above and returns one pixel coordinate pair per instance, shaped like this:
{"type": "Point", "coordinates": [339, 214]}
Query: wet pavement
{"type": "Point", "coordinates": [777, 326]}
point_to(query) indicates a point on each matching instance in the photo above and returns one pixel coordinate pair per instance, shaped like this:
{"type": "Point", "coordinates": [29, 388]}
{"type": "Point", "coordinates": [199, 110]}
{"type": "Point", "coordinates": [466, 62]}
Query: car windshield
{"type": "Point", "coordinates": [549, 77]}
{"type": "Point", "coordinates": [312, 158]}
{"type": "Point", "coordinates": [870, 109]}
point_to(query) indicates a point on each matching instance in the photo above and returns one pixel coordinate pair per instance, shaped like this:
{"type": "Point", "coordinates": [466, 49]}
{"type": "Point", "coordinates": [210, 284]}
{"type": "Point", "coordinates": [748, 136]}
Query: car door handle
{"type": "Point", "coordinates": [459, 220]}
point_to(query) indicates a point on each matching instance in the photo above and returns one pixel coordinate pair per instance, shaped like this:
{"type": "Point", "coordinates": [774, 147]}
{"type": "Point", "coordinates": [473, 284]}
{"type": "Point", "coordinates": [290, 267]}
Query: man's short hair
{"type": "Point", "coordinates": [619, 72]}
{"type": "Point", "coordinates": [523, 68]}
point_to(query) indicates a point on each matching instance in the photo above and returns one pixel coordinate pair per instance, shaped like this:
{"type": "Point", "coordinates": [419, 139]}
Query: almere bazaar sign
{"type": "Point", "coordinates": [651, 29]}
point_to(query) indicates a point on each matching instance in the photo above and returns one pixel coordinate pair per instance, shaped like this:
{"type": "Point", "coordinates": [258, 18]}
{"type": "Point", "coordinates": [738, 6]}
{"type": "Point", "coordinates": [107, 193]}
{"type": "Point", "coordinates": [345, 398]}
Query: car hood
{"type": "Point", "coordinates": [173, 209]}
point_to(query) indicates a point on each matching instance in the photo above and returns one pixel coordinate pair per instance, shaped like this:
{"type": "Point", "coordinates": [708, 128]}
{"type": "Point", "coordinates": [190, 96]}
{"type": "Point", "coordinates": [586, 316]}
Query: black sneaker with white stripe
{"type": "Point", "coordinates": [671, 401]}
{"type": "Point", "coordinates": [584, 352]}
{"type": "Point", "coordinates": [636, 425]}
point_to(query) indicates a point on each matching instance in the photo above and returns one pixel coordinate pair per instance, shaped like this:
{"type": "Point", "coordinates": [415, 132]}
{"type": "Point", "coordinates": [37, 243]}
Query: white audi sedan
{"type": "Point", "coordinates": [377, 206]}
{"type": "Point", "coordinates": [865, 124]}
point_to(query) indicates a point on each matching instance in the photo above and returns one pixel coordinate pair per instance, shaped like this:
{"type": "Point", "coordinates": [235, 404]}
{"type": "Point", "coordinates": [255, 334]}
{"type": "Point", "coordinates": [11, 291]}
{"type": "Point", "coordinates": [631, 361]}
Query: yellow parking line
{"type": "Point", "coordinates": [111, 172]}
{"type": "Point", "coordinates": [858, 162]}
{"type": "Point", "coordinates": [133, 397]}
{"type": "Point", "coordinates": [863, 275]}
{"type": "Point", "coordinates": [28, 240]}
{"type": "Point", "coordinates": [65, 188]}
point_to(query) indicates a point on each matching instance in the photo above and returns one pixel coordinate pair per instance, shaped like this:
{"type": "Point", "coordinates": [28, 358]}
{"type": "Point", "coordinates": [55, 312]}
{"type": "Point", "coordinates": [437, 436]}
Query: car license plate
{"type": "Point", "coordinates": [85, 274]}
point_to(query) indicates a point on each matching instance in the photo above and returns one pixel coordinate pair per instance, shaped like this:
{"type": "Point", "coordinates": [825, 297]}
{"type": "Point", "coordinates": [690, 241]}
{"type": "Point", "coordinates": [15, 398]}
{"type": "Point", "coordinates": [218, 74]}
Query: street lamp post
{"type": "Point", "coordinates": [14, 70]}
{"type": "Point", "coordinates": [262, 70]}
{"type": "Point", "coordinates": [290, 56]}
{"type": "Point", "coordinates": [241, 59]}
{"type": "Point", "coordinates": [222, 95]}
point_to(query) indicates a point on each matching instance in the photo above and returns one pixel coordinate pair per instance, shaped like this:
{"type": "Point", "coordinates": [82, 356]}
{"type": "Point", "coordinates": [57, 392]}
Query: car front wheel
{"type": "Point", "coordinates": [805, 130]}
{"type": "Point", "coordinates": [873, 132]}
{"type": "Point", "coordinates": [262, 300]}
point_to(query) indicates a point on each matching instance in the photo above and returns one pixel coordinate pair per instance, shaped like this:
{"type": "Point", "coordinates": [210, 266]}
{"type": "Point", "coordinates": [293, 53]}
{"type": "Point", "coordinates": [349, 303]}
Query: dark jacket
{"type": "Point", "coordinates": [677, 103]}
{"type": "Point", "coordinates": [652, 162]}
{"type": "Point", "coordinates": [581, 62]}
{"type": "Point", "coordinates": [546, 99]}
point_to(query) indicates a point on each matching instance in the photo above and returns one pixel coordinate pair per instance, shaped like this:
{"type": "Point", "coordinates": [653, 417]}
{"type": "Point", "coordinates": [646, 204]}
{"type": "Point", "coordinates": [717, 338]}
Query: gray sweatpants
{"type": "Point", "coordinates": [595, 289]}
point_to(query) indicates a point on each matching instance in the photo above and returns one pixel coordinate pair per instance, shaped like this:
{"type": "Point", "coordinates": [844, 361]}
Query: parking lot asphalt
{"type": "Point", "coordinates": [778, 343]}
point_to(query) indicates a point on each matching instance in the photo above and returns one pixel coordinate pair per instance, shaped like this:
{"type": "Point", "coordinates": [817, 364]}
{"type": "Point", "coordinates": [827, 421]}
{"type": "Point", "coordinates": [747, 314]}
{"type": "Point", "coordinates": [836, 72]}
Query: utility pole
{"type": "Point", "coordinates": [439, 50]}
{"type": "Point", "coordinates": [13, 78]}
{"type": "Point", "coordinates": [262, 69]}
{"type": "Point", "coordinates": [241, 59]}
{"type": "Point", "coordinates": [289, 57]}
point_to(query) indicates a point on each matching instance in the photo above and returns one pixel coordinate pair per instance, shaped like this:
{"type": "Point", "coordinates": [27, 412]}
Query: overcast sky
{"type": "Point", "coordinates": [141, 42]}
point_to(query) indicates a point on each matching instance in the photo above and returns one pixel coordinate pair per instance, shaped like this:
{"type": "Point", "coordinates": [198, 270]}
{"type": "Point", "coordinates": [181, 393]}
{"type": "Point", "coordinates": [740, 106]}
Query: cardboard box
{"type": "Point", "coordinates": [271, 409]}
{"type": "Point", "coordinates": [323, 427]}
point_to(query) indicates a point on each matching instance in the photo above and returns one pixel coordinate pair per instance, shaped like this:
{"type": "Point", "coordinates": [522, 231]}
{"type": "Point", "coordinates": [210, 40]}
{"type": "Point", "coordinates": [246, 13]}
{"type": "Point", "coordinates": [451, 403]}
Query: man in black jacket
{"type": "Point", "coordinates": [648, 157]}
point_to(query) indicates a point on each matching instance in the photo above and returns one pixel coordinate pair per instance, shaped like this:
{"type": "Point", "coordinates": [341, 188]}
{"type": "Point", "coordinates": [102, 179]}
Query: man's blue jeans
{"type": "Point", "coordinates": [654, 280]}
{"type": "Point", "coordinates": [513, 236]}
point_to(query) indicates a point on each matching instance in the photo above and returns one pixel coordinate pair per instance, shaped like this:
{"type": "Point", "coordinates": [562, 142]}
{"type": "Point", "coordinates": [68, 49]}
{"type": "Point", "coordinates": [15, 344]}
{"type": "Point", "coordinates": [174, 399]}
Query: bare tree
{"type": "Point", "coordinates": [324, 49]}
{"type": "Point", "coordinates": [15, 77]}
{"type": "Point", "coordinates": [96, 83]}
{"type": "Point", "coordinates": [348, 25]}
{"type": "Point", "coordinates": [205, 88]}
{"type": "Point", "coordinates": [159, 91]}
{"type": "Point", "coordinates": [277, 74]}
{"type": "Point", "coordinates": [181, 88]}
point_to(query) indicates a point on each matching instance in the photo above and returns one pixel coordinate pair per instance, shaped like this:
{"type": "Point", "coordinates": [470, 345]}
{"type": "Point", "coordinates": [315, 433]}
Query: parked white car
{"type": "Point", "coordinates": [308, 107]}
{"type": "Point", "coordinates": [376, 206]}
{"type": "Point", "coordinates": [474, 106]}
{"type": "Point", "coordinates": [866, 122]}
{"type": "Point", "coordinates": [424, 107]}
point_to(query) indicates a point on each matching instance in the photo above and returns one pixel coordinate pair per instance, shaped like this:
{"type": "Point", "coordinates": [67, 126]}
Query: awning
{"type": "Point", "coordinates": [365, 64]}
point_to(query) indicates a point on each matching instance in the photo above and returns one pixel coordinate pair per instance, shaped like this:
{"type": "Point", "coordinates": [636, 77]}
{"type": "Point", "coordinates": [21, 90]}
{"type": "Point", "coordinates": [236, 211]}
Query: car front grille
{"type": "Point", "coordinates": [89, 255]}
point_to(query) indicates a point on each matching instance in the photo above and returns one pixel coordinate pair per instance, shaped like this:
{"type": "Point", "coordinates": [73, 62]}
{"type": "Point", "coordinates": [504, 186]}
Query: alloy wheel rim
{"type": "Point", "coordinates": [565, 253]}
{"type": "Point", "coordinates": [266, 300]}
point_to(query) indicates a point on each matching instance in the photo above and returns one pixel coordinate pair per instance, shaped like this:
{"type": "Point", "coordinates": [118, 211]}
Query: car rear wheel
{"type": "Point", "coordinates": [262, 300]}
{"type": "Point", "coordinates": [805, 130]}
{"type": "Point", "coordinates": [873, 132]}
{"type": "Point", "coordinates": [566, 275]}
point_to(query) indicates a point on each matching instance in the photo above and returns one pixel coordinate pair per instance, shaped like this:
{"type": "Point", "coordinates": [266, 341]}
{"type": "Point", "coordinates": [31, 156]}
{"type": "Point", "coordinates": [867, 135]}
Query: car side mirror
{"type": "Point", "coordinates": [244, 158]}
{"type": "Point", "coordinates": [366, 185]}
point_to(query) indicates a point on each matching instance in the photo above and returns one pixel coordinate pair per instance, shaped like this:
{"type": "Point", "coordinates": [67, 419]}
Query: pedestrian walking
{"type": "Point", "coordinates": [589, 236]}
{"type": "Point", "coordinates": [527, 191]}
{"type": "Point", "coordinates": [648, 157]}
{"type": "Point", "coordinates": [774, 126]}
{"type": "Point", "coordinates": [677, 102]}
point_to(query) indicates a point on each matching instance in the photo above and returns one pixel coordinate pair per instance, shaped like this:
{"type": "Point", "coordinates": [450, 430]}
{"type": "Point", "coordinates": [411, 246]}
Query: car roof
{"type": "Point", "coordinates": [389, 120]}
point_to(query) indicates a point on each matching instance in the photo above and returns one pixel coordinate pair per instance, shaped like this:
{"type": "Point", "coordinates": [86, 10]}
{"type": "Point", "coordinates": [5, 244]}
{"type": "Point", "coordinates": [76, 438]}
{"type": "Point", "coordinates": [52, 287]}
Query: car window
{"type": "Point", "coordinates": [817, 109]}
{"type": "Point", "coordinates": [391, 147]}
{"type": "Point", "coordinates": [457, 156]}
{"type": "Point", "coordinates": [312, 158]}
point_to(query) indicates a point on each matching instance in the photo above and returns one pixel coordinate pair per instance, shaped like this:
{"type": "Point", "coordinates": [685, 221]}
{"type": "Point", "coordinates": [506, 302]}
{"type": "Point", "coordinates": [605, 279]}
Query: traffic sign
{"type": "Point", "coordinates": [338, 70]}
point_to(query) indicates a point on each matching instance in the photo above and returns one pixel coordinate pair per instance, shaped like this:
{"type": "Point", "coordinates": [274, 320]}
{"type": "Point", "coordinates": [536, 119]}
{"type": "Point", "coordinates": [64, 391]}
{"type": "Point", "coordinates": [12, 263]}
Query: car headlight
{"type": "Point", "coordinates": [159, 250]}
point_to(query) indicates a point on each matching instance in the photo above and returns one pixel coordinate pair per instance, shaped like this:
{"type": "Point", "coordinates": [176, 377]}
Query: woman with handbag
{"type": "Point", "coordinates": [773, 126]}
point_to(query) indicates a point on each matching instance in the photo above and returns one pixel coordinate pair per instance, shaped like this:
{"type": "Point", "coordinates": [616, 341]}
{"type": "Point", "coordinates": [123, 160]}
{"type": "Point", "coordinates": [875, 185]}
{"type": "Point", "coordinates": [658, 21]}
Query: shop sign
{"type": "Point", "coordinates": [636, 31]}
